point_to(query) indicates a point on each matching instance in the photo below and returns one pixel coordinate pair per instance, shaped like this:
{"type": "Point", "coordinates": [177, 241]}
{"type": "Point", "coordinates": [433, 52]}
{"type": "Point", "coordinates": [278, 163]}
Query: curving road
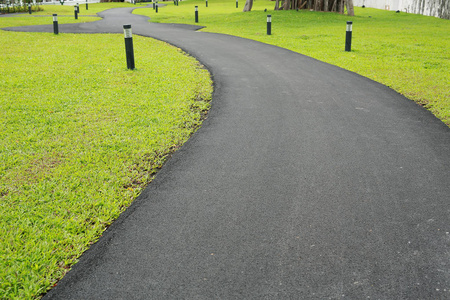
{"type": "Point", "coordinates": [305, 182]}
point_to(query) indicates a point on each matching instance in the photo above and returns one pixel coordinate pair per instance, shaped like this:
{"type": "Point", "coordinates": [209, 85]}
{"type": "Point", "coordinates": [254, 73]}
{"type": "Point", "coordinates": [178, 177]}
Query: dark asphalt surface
{"type": "Point", "coordinates": [305, 182]}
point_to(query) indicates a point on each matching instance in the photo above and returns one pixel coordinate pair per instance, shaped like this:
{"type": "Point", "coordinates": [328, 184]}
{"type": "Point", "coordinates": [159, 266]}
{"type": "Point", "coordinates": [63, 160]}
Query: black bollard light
{"type": "Point", "coordinates": [55, 24]}
{"type": "Point", "coordinates": [153, 2]}
{"type": "Point", "coordinates": [196, 14]}
{"type": "Point", "coordinates": [237, 3]}
{"type": "Point", "coordinates": [29, 8]}
{"type": "Point", "coordinates": [206, 3]}
{"type": "Point", "coordinates": [269, 24]}
{"type": "Point", "coordinates": [87, 7]}
{"type": "Point", "coordinates": [75, 11]}
{"type": "Point", "coordinates": [348, 37]}
{"type": "Point", "coordinates": [129, 46]}
{"type": "Point", "coordinates": [156, 6]}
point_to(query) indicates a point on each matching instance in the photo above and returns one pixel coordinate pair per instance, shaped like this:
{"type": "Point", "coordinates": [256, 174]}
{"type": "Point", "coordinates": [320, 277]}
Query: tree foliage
{"type": "Point", "coordinates": [17, 6]}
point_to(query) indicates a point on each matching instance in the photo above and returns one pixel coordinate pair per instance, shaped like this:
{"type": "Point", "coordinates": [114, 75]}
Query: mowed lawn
{"type": "Point", "coordinates": [407, 52]}
{"type": "Point", "coordinates": [80, 136]}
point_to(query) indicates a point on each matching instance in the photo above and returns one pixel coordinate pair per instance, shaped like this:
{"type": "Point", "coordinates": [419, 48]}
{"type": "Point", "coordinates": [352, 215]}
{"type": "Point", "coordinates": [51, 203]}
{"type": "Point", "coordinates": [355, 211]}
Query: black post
{"type": "Point", "coordinates": [75, 11]}
{"type": "Point", "coordinates": [206, 3]}
{"type": "Point", "coordinates": [237, 3]}
{"type": "Point", "coordinates": [78, 8]}
{"type": "Point", "coordinates": [87, 7]}
{"type": "Point", "coordinates": [269, 24]}
{"type": "Point", "coordinates": [29, 8]}
{"type": "Point", "coordinates": [348, 37]}
{"type": "Point", "coordinates": [55, 24]}
{"type": "Point", "coordinates": [156, 6]}
{"type": "Point", "coordinates": [196, 14]}
{"type": "Point", "coordinates": [129, 46]}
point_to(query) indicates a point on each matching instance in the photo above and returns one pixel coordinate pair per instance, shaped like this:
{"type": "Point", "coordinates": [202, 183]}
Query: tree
{"type": "Point", "coordinates": [317, 5]}
{"type": "Point", "coordinates": [248, 5]}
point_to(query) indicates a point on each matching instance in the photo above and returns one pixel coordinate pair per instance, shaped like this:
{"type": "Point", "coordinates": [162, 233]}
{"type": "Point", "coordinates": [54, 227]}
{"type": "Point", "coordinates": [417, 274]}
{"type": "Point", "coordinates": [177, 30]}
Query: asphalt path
{"type": "Point", "coordinates": [305, 182]}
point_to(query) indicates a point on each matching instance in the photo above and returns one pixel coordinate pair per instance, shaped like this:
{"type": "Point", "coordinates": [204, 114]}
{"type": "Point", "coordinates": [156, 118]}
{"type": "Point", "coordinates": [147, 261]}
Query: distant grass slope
{"type": "Point", "coordinates": [80, 136]}
{"type": "Point", "coordinates": [407, 52]}
{"type": "Point", "coordinates": [65, 14]}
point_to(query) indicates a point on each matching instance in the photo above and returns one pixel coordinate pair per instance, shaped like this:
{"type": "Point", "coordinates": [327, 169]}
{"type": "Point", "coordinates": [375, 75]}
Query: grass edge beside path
{"type": "Point", "coordinates": [406, 52]}
{"type": "Point", "coordinates": [79, 141]}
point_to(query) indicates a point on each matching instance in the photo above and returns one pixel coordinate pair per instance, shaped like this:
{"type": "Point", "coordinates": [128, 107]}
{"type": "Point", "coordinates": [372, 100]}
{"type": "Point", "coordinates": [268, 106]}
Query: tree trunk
{"type": "Point", "coordinates": [277, 5]}
{"type": "Point", "coordinates": [248, 5]}
{"type": "Point", "coordinates": [334, 8]}
{"type": "Point", "coordinates": [350, 10]}
{"type": "Point", "coordinates": [318, 5]}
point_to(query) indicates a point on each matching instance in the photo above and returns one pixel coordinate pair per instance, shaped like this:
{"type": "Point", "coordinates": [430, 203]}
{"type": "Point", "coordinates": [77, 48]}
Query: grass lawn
{"type": "Point", "coordinates": [80, 136]}
{"type": "Point", "coordinates": [407, 52]}
{"type": "Point", "coordinates": [65, 14]}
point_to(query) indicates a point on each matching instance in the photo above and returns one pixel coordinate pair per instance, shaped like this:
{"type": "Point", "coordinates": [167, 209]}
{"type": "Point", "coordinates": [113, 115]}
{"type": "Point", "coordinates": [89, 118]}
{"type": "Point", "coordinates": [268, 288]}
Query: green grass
{"type": "Point", "coordinates": [65, 14]}
{"type": "Point", "coordinates": [80, 136]}
{"type": "Point", "coordinates": [78, 141]}
{"type": "Point", "coordinates": [49, 9]}
{"type": "Point", "coordinates": [406, 52]}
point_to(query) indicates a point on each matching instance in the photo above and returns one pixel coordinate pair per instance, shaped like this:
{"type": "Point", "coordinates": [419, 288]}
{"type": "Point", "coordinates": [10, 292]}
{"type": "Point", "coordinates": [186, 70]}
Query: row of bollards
{"type": "Point", "coordinates": [129, 38]}
{"type": "Point", "coordinates": [76, 9]}
{"type": "Point", "coordinates": [348, 37]}
{"type": "Point", "coordinates": [128, 41]}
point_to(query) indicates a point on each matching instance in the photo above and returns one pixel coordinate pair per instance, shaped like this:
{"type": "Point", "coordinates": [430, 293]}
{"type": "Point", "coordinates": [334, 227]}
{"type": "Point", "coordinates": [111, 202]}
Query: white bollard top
{"type": "Point", "coordinates": [349, 25]}
{"type": "Point", "coordinates": [127, 31]}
